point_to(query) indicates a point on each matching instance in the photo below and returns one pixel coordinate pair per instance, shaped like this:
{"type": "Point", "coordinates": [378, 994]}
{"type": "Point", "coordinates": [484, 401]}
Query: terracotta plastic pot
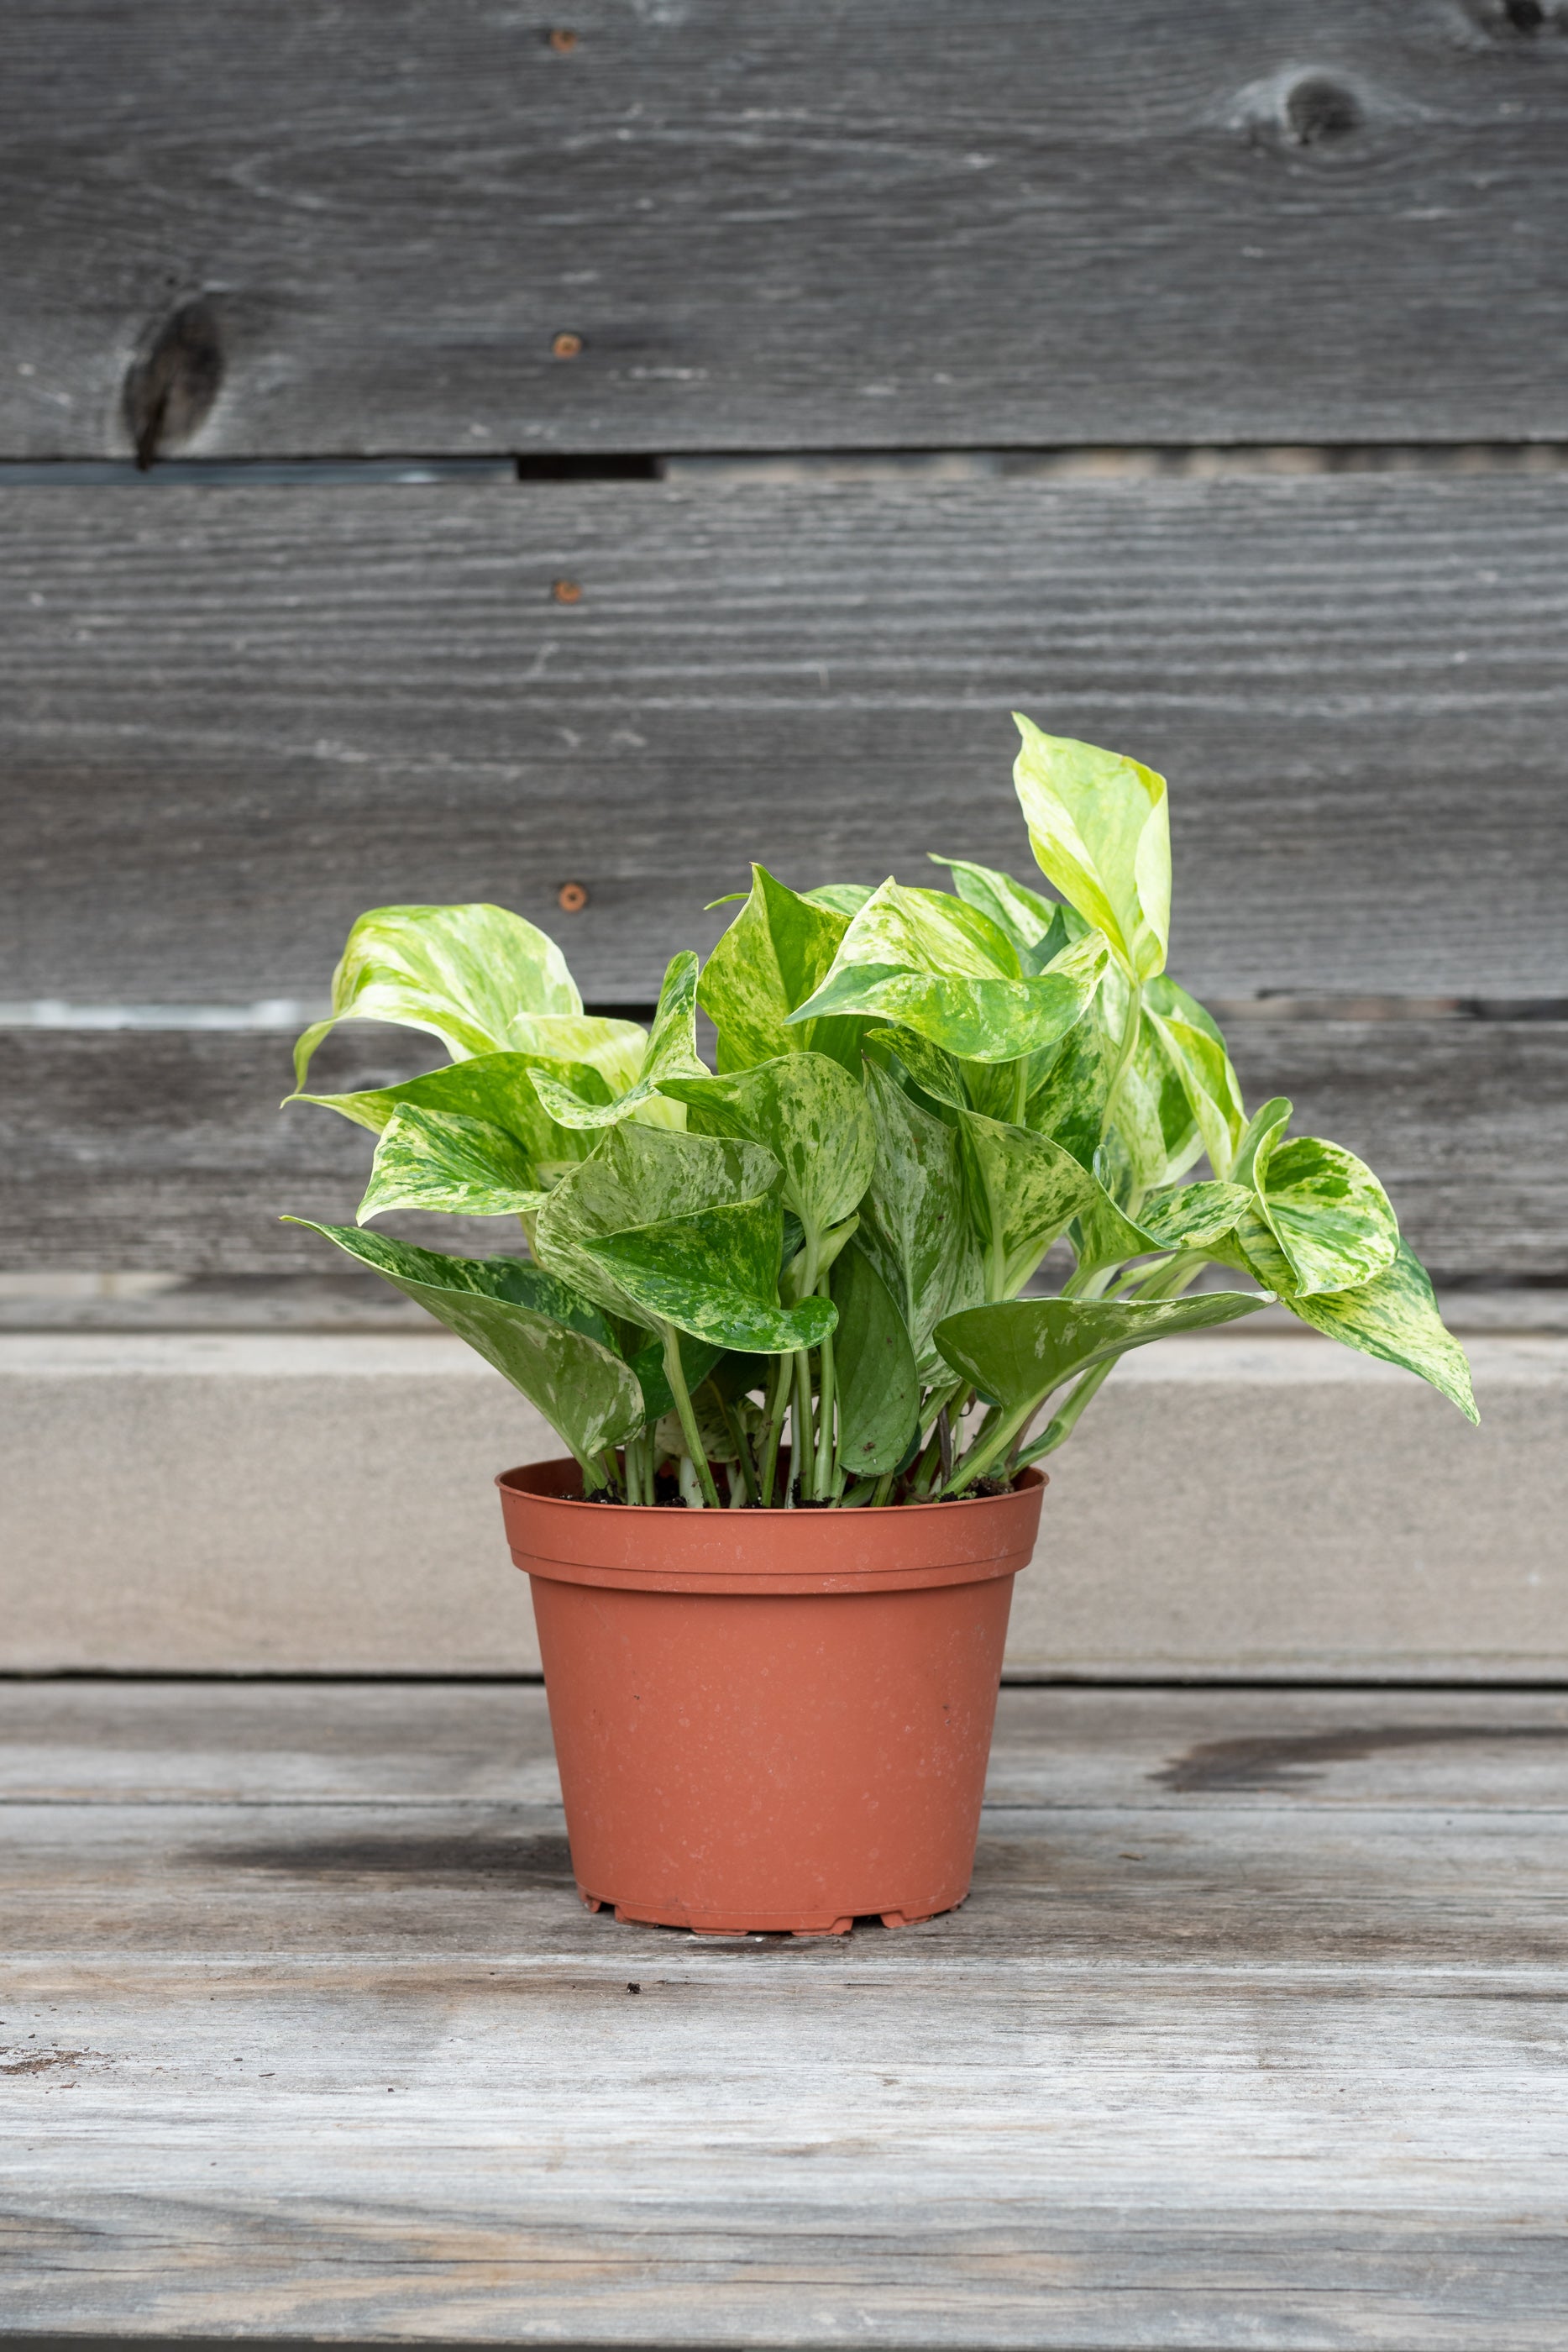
{"type": "Point", "coordinates": [769, 1719]}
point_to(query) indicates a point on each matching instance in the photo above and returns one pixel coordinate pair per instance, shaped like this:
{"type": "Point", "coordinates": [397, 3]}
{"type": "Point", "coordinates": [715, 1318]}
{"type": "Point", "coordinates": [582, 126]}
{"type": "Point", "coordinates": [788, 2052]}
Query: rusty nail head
{"type": "Point", "coordinates": [568, 591]}
{"type": "Point", "coordinates": [562, 42]}
{"type": "Point", "coordinates": [571, 897]}
{"type": "Point", "coordinates": [567, 346]}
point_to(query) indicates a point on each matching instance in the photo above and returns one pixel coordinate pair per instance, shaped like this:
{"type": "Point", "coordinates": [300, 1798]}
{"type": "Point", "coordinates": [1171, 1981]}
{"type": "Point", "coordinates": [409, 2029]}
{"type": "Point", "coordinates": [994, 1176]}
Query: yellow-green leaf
{"type": "Point", "coordinates": [1395, 1316]}
{"type": "Point", "coordinates": [1100, 829]}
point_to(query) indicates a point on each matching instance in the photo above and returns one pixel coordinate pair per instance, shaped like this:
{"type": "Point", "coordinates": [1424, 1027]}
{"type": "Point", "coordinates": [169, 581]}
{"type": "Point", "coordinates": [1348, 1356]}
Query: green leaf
{"type": "Point", "coordinates": [1194, 1216]}
{"type": "Point", "coordinates": [672, 1052]}
{"type": "Point", "coordinates": [1019, 1350]}
{"type": "Point", "coordinates": [1099, 828]}
{"type": "Point", "coordinates": [1328, 1213]}
{"type": "Point", "coordinates": [808, 1113]}
{"type": "Point", "coordinates": [1024, 1190]}
{"type": "Point", "coordinates": [878, 1383]}
{"type": "Point", "coordinates": [636, 1176]}
{"type": "Point", "coordinates": [497, 1088]}
{"type": "Point", "coordinates": [1395, 1316]}
{"type": "Point", "coordinates": [1195, 1050]}
{"type": "Point", "coordinates": [465, 973]}
{"type": "Point", "coordinates": [914, 1222]}
{"type": "Point", "coordinates": [1258, 1137]}
{"type": "Point", "coordinates": [541, 1335]}
{"type": "Point", "coordinates": [843, 897]}
{"type": "Point", "coordinates": [1038, 928]}
{"type": "Point", "coordinates": [443, 1160]}
{"type": "Point", "coordinates": [936, 964]}
{"type": "Point", "coordinates": [774, 954]}
{"type": "Point", "coordinates": [714, 1274]}
{"type": "Point", "coordinates": [1068, 1093]}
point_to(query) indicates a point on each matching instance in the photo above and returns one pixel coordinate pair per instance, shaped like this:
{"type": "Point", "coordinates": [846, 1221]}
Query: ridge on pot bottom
{"type": "Point", "coordinates": [769, 1719]}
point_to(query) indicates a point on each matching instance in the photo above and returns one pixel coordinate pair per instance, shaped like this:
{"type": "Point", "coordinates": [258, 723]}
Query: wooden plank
{"type": "Point", "coordinates": [880, 225]}
{"type": "Point", "coordinates": [232, 719]}
{"type": "Point", "coordinates": [165, 1149]}
{"type": "Point", "coordinates": [1275, 2066]}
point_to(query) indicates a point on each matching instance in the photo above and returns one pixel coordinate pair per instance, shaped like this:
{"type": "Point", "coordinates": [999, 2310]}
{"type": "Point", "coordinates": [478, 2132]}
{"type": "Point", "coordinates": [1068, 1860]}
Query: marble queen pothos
{"type": "Point", "coordinates": [918, 1093]}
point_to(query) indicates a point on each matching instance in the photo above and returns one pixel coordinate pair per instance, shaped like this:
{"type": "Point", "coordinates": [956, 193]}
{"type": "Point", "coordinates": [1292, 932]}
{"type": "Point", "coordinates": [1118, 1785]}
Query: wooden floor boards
{"type": "Point", "coordinates": [1254, 2031]}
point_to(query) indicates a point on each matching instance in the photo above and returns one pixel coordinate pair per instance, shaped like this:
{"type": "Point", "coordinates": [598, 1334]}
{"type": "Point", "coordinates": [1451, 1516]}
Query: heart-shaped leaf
{"type": "Point", "coordinates": [443, 1160]}
{"type": "Point", "coordinates": [843, 897]}
{"type": "Point", "coordinates": [500, 1089]}
{"type": "Point", "coordinates": [1395, 1316]}
{"type": "Point", "coordinates": [672, 1052]}
{"type": "Point", "coordinates": [714, 1274]}
{"type": "Point", "coordinates": [1038, 928]}
{"type": "Point", "coordinates": [774, 953]}
{"type": "Point", "coordinates": [1194, 1216]}
{"type": "Point", "coordinates": [915, 1221]}
{"type": "Point", "coordinates": [1100, 829]}
{"type": "Point", "coordinates": [1023, 1191]}
{"type": "Point", "coordinates": [680, 1230]}
{"type": "Point", "coordinates": [1195, 1049]}
{"type": "Point", "coordinates": [1320, 1221]}
{"type": "Point", "coordinates": [935, 964]}
{"type": "Point", "coordinates": [878, 1382]}
{"type": "Point", "coordinates": [1019, 1351]}
{"type": "Point", "coordinates": [808, 1113]}
{"type": "Point", "coordinates": [465, 973]}
{"type": "Point", "coordinates": [547, 1339]}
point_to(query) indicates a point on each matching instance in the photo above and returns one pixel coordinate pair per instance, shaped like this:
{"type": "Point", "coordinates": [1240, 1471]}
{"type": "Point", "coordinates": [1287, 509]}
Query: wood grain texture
{"type": "Point", "coordinates": [165, 1149]}
{"type": "Point", "coordinates": [305, 2033]}
{"type": "Point", "coordinates": [887, 222]}
{"type": "Point", "coordinates": [231, 719]}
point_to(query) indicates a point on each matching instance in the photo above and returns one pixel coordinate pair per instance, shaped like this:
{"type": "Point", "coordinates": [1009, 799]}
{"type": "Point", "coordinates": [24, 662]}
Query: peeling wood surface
{"type": "Point", "coordinates": [232, 718]}
{"type": "Point", "coordinates": [1250, 2033]}
{"type": "Point", "coordinates": [165, 1148]}
{"type": "Point", "coordinates": [892, 222]}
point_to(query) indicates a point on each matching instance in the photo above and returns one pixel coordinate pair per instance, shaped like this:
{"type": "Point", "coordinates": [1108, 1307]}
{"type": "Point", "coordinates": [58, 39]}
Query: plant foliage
{"type": "Point", "coordinates": [800, 1278]}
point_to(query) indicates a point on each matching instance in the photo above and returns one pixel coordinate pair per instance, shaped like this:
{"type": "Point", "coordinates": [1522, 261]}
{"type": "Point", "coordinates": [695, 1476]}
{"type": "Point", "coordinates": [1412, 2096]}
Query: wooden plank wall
{"type": "Point", "coordinates": [304, 238]}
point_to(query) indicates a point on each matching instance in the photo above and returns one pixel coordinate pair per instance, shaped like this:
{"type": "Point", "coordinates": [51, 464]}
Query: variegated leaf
{"type": "Point", "coordinates": [809, 1113]}
{"type": "Point", "coordinates": [444, 1161]}
{"type": "Point", "coordinates": [1023, 1191]}
{"type": "Point", "coordinates": [915, 1222]}
{"type": "Point", "coordinates": [878, 1383]}
{"type": "Point", "coordinates": [774, 954]}
{"type": "Point", "coordinates": [1100, 829]}
{"type": "Point", "coordinates": [1395, 1316]}
{"type": "Point", "coordinates": [465, 973]}
{"type": "Point", "coordinates": [933, 962]}
{"type": "Point", "coordinates": [672, 1052]}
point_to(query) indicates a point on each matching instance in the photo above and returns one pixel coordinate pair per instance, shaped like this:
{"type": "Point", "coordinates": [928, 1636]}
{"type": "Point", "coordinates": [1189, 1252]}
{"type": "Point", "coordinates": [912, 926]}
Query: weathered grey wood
{"type": "Point", "coordinates": [231, 719]}
{"type": "Point", "coordinates": [1277, 2066]}
{"type": "Point", "coordinates": [882, 223]}
{"type": "Point", "coordinates": [165, 1148]}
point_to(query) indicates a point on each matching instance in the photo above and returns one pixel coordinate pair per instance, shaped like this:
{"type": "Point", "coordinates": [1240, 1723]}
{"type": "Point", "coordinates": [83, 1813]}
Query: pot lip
{"type": "Point", "coordinates": [508, 1481]}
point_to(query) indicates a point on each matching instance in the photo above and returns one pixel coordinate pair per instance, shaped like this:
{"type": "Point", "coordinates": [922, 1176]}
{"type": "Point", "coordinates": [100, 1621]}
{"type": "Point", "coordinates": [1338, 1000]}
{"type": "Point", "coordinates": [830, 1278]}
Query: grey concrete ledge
{"type": "Point", "coordinates": [1247, 1505]}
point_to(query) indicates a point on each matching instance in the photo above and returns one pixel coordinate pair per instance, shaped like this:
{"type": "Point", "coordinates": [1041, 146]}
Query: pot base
{"type": "Point", "coordinates": [768, 1923]}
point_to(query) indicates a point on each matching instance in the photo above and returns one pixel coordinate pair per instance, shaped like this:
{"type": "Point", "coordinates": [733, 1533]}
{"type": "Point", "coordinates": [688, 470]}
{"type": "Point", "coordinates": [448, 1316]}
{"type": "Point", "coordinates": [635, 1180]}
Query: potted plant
{"type": "Point", "coordinates": [786, 1317]}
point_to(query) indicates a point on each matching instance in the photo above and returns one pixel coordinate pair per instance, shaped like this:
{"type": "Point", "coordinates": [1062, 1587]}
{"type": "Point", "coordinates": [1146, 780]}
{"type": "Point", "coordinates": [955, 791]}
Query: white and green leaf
{"type": "Point", "coordinates": [1395, 1317]}
{"type": "Point", "coordinates": [465, 973]}
{"type": "Point", "coordinates": [672, 1052]}
{"type": "Point", "coordinates": [808, 1113]}
{"type": "Point", "coordinates": [444, 1161]}
{"type": "Point", "coordinates": [878, 1380]}
{"type": "Point", "coordinates": [775, 954]}
{"type": "Point", "coordinates": [1099, 826]}
{"type": "Point", "coordinates": [933, 962]}
{"type": "Point", "coordinates": [915, 1222]}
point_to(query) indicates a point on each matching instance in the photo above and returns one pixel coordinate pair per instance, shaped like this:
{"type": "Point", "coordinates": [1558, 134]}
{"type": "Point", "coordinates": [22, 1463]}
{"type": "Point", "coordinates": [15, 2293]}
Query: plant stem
{"type": "Point", "coordinates": [778, 1403]}
{"type": "Point", "coordinates": [883, 1488]}
{"type": "Point", "coordinates": [674, 1372]}
{"type": "Point", "coordinates": [1020, 1089]}
{"type": "Point", "coordinates": [802, 1438]}
{"type": "Point", "coordinates": [824, 1471]}
{"type": "Point", "coordinates": [743, 1452]}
